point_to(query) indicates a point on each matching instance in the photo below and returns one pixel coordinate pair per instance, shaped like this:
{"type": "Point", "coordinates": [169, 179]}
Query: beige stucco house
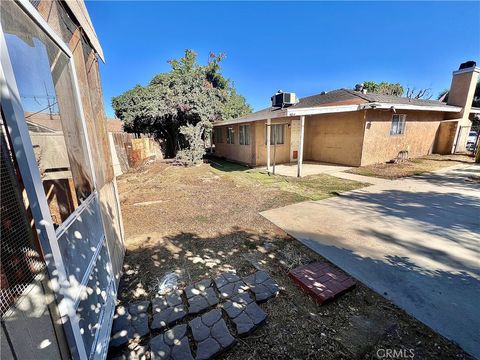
{"type": "Point", "coordinates": [352, 127]}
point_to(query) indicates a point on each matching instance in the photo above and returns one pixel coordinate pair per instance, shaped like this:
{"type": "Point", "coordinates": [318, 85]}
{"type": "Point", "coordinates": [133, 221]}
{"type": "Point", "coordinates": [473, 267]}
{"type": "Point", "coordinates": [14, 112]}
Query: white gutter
{"type": "Point", "coordinates": [322, 110]}
{"type": "Point", "coordinates": [378, 105]}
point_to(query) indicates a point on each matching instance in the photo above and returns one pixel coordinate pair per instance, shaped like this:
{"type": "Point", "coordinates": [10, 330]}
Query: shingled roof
{"type": "Point", "coordinates": [392, 99]}
{"type": "Point", "coordinates": [338, 98]}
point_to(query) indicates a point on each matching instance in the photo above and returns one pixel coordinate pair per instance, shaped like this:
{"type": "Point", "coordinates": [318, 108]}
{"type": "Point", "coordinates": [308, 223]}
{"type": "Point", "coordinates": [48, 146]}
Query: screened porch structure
{"type": "Point", "coordinates": [61, 230]}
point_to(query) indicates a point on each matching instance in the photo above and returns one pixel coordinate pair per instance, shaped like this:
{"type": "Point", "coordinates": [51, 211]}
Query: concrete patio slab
{"type": "Point", "coordinates": [416, 241]}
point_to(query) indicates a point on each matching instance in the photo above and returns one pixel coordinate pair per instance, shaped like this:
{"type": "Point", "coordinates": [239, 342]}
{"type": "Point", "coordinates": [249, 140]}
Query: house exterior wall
{"type": "Point", "coordinates": [445, 137]}
{"type": "Point", "coordinates": [244, 154]}
{"type": "Point", "coordinates": [419, 137]}
{"type": "Point", "coordinates": [354, 138]}
{"type": "Point", "coordinates": [334, 138]}
{"type": "Point", "coordinates": [282, 153]}
{"type": "Point", "coordinates": [254, 154]}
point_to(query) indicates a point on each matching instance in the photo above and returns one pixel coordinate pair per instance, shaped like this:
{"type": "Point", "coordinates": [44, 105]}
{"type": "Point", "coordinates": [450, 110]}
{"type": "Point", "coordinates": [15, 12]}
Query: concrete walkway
{"type": "Point", "coordinates": [309, 168]}
{"type": "Point", "coordinates": [416, 241]}
{"type": "Point", "coordinates": [364, 179]}
{"type": "Point", "coordinates": [314, 168]}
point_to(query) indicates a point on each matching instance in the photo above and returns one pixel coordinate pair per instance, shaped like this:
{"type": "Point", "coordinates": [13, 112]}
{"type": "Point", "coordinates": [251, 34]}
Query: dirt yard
{"type": "Point", "coordinates": [204, 220]}
{"type": "Point", "coordinates": [412, 167]}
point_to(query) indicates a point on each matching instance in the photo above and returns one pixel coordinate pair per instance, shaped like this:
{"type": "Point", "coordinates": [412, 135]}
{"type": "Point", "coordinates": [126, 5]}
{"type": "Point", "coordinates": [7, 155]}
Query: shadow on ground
{"type": "Point", "coordinates": [353, 326]}
{"type": "Point", "coordinates": [444, 300]}
{"type": "Point", "coordinates": [447, 215]}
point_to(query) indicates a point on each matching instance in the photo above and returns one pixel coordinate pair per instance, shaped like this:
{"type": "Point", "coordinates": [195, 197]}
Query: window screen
{"type": "Point", "coordinates": [398, 124]}
{"type": "Point", "coordinates": [230, 136]}
{"type": "Point", "coordinates": [218, 135]}
{"type": "Point", "coordinates": [44, 81]}
{"type": "Point", "coordinates": [277, 134]}
{"type": "Point", "coordinates": [244, 135]}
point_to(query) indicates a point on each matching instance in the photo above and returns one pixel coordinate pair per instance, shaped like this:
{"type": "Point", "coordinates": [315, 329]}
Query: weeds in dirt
{"type": "Point", "coordinates": [411, 167]}
{"type": "Point", "coordinates": [200, 221]}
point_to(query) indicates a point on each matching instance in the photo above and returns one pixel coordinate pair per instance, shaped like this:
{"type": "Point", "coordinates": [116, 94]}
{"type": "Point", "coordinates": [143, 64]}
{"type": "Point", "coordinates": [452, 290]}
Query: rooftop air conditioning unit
{"type": "Point", "coordinates": [284, 99]}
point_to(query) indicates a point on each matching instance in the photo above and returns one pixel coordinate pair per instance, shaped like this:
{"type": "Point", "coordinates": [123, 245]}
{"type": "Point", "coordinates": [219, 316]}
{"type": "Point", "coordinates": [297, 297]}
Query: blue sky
{"type": "Point", "coordinates": [305, 47]}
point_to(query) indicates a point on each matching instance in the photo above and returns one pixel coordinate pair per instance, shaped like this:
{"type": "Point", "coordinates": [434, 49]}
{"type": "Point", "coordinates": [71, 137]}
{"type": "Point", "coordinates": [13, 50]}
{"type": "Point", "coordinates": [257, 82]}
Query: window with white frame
{"type": "Point", "coordinates": [244, 135]}
{"type": "Point", "coordinates": [230, 136]}
{"type": "Point", "coordinates": [277, 134]}
{"type": "Point", "coordinates": [398, 124]}
{"type": "Point", "coordinates": [218, 138]}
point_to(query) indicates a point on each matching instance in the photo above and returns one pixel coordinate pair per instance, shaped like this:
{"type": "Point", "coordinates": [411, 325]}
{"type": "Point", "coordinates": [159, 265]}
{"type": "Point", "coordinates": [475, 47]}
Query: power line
{"type": "Point", "coordinates": [42, 110]}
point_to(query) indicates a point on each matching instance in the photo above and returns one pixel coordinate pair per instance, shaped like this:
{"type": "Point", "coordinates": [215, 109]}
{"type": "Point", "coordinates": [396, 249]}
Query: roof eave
{"type": "Point", "coordinates": [338, 109]}
{"type": "Point", "coordinates": [253, 117]}
{"type": "Point", "coordinates": [441, 108]}
{"type": "Point", "coordinates": [322, 110]}
{"type": "Point", "coordinates": [79, 10]}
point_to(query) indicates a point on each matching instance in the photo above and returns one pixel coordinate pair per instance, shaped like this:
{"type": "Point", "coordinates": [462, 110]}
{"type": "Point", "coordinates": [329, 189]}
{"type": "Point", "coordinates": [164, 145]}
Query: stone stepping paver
{"type": "Point", "coordinates": [262, 285]}
{"type": "Point", "coordinates": [172, 344]}
{"type": "Point", "coordinates": [321, 281]}
{"type": "Point", "coordinates": [121, 329]}
{"type": "Point", "coordinates": [171, 299]}
{"type": "Point", "coordinates": [139, 324]}
{"type": "Point", "coordinates": [245, 313]}
{"type": "Point", "coordinates": [209, 330]}
{"type": "Point", "coordinates": [200, 296]}
{"type": "Point", "coordinates": [167, 310]}
{"type": "Point", "coordinates": [138, 307]}
{"type": "Point", "coordinates": [230, 284]}
{"type": "Point", "coordinates": [130, 324]}
{"type": "Point", "coordinates": [211, 334]}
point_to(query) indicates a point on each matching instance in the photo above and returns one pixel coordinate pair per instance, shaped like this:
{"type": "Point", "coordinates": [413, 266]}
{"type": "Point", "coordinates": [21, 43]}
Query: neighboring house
{"type": "Point", "coordinates": [351, 127]}
{"type": "Point", "coordinates": [61, 228]}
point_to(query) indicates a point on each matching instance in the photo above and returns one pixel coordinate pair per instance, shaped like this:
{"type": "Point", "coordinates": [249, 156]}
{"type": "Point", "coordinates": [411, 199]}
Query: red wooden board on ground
{"type": "Point", "coordinates": [321, 280]}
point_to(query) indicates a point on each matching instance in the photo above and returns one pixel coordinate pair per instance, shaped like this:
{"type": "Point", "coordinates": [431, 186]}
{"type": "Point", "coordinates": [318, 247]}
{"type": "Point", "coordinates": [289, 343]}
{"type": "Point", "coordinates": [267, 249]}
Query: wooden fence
{"type": "Point", "coordinates": [132, 152]}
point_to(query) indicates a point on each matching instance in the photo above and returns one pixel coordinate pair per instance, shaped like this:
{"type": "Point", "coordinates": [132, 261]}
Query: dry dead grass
{"type": "Point", "coordinates": [201, 221]}
{"type": "Point", "coordinates": [412, 167]}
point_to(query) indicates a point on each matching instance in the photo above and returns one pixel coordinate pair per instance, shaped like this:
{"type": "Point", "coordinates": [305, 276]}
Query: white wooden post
{"type": "Point", "coordinates": [268, 143]}
{"type": "Point", "coordinates": [300, 146]}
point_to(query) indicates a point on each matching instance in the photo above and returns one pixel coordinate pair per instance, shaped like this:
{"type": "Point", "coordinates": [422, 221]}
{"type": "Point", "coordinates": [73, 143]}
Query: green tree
{"type": "Point", "coordinates": [385, 88]}
{"type": "Point", "coordinates": [189, 96]}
